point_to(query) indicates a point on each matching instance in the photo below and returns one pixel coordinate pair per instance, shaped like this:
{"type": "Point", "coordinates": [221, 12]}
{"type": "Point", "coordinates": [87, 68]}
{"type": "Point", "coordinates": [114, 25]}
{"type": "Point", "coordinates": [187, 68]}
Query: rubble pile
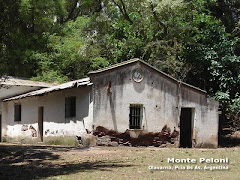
{"type": "Point", "coordinates": [107, 137]}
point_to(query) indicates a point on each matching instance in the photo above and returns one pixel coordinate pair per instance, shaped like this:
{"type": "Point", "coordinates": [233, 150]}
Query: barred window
{"type": "Point", "coordinates": [135, 116]}
{"type": "Point", "coordinates": [70, 106]}
{"type": "Point", "coordinates": [17, 112]}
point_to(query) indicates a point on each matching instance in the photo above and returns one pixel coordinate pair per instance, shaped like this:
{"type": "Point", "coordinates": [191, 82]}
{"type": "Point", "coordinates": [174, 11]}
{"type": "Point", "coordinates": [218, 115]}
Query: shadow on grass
{"type": "Point", "coordinates": [34, 162]}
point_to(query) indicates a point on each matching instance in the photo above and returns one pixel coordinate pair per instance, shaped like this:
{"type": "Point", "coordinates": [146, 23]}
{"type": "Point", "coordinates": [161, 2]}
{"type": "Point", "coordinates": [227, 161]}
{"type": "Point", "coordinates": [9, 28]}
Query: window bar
{"type": "Point", "coordinates": [137, 125]}
{"type": "Point", "coordinates": [138, 117]}
{"type": "Point", "coordinates": [130, 117]}
{"type": "Point", "coordinates": [134, 117]}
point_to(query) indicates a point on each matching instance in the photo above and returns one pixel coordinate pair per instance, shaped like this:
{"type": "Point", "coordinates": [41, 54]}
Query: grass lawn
{"type": "Point", "coordinates": [54, 162]}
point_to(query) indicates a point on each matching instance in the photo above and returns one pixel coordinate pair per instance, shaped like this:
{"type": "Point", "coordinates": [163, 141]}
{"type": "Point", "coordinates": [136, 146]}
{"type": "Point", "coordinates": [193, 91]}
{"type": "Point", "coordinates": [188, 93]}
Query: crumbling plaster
{"type": "Point", "coordinates": [55, 123]}
{"type": "Point", "coordinates": [162, 99]}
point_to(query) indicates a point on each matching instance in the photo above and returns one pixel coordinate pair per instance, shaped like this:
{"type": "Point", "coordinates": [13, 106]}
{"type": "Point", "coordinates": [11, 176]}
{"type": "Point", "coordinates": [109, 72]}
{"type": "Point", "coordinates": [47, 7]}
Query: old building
{"type": "Point", "coordinates": [63, 110]}
{"type": "Point", "coordinates": [130, 98]}
{"type": "Point", "coordinates": [133, 95]}
{"type": "Point", "coordinates": [12, 86]}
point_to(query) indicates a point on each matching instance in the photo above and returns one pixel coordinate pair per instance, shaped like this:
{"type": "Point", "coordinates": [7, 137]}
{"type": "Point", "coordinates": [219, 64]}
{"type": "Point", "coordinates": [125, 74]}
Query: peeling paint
{"type": "Point", "coordinates": [24, 127]}
{"type": "Point", "coordinates": [107, 104]}
{"type": "Point", "coordinates": [162, 100]}
{"type": "Point", "coordinates": [33, 131]}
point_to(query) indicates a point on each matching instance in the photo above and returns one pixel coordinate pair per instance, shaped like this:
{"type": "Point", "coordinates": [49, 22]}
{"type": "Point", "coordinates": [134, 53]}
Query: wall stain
{"type": "Point", "coordinates": [33, 131]}
{"type": "Point", "coordinates": [24, 127]}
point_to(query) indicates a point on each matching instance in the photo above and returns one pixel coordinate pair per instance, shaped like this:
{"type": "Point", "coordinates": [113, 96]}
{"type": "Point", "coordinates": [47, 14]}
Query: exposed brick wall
{"type": "Point", "coordinates": [107, 137]}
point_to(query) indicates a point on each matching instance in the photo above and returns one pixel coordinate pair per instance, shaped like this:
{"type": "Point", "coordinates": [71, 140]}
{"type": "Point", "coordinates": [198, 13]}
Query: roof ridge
{"type": "Point", "coordinates": [115, 65]}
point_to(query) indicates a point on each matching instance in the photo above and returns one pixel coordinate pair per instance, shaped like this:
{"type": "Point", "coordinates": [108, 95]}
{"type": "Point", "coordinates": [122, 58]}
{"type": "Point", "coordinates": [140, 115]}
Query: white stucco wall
{"type": "Point", "coordinates": [111, 110]}
{"type": "Point", "coordinates": [162, 100]}
{"type": "Point", "coordinates": [55, 123]}
{"type": "Point", "coordinates": [205, 120]}
{"type": "Point", "coordinates": [10, 90]}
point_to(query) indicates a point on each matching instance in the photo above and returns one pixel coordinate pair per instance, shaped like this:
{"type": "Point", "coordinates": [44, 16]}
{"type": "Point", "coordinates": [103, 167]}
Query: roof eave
{"type": "Point", "coordinates": [41, 92]}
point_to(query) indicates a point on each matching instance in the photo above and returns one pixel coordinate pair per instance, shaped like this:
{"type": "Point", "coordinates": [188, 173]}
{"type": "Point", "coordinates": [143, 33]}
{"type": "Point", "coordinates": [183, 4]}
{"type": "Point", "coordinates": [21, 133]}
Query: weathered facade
{"type": "Point", "coordinates": [12, 86]}
{"type": "Point", "coordinates": [130, 99]}
{"type": "Point", "coordinates": [163, 101]}
{"type": "Point", "coordinates": [43, 113]}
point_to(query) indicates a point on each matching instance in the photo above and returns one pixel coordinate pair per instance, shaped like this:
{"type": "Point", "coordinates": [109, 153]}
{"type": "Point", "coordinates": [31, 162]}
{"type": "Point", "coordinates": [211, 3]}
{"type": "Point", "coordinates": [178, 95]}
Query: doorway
{"type": "Point", "coordinates": [40, 122]}
{"type": "Point", "coordinates": [186, 128]}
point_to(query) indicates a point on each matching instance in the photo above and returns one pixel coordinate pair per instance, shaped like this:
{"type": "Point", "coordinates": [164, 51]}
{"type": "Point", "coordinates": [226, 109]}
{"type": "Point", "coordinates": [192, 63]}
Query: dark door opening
{"type": "Point", "coordinates": [40, 122]}
{"type": "Point", "coordinates": [186, 128]}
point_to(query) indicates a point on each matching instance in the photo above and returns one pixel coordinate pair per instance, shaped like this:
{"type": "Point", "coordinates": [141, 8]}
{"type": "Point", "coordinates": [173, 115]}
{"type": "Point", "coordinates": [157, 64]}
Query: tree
{"type": "Point", "coordinates": [195, 41]}
{"type": "Point", "coordinates": [70, 54]}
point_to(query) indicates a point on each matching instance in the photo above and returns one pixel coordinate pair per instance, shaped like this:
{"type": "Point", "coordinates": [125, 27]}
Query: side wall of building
{"type": "Point", "coordinates": [54, 121]}
{"type": "Point", "coordinates": [204, 119]}
{"type": "Point", "coordinates": [162, 99]}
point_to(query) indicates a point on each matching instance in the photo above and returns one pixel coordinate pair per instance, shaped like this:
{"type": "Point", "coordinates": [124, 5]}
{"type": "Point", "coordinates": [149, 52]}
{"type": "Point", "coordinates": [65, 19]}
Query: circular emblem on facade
{"type": "Point", "coordinates": [137, 75]}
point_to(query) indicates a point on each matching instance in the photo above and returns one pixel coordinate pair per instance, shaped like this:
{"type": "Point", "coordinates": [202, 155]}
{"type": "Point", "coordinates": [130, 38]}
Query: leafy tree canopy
{"type": "Point", "coordinates": [195, 41]}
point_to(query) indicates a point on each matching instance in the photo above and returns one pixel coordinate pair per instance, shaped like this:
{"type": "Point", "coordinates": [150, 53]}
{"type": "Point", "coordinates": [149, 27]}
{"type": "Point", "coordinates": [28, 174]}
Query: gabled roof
{"type": "Point", "coordinates": [71, 84]}
{"type": "Point", "coordinates": [87, 81]}
{"type": "Point", "coordinates": [135, 60]}
{"type": "Point", "coordinates": [19, 81]}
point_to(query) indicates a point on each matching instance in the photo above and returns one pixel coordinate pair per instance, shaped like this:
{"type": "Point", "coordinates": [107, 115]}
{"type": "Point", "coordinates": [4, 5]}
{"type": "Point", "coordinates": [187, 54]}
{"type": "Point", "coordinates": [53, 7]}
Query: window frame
{"type": "Point", "coordinates": [71, 106]}
{"type": "Point", "coordinates": [136, 116]}
{"type": "Point", "coordinates": [17, 115]}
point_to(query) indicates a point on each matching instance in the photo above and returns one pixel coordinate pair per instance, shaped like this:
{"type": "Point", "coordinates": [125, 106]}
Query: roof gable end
{"type": "Point", "coordinates": [136, 60]}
